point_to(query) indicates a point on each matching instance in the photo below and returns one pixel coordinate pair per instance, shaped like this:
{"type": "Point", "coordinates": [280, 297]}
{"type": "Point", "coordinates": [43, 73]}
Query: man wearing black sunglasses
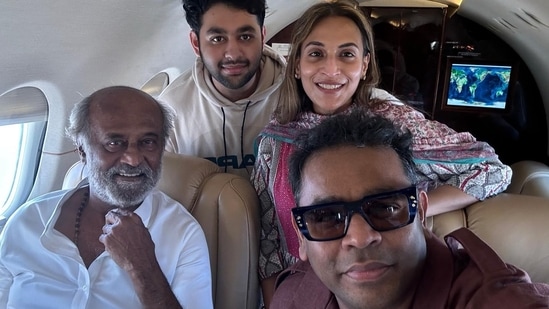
{"type": "Point", "coordinates": [362, 240]}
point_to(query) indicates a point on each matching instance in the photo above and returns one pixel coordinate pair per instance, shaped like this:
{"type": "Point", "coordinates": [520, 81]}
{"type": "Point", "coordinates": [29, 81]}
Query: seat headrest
{"type": "Point", "coordinates": [183, 175]}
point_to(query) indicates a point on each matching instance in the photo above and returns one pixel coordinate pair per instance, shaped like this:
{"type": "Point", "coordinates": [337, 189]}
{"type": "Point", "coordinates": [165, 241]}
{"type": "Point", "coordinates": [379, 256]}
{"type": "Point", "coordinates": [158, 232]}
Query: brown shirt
{"type": "Point", "coordinates": [472, 277]}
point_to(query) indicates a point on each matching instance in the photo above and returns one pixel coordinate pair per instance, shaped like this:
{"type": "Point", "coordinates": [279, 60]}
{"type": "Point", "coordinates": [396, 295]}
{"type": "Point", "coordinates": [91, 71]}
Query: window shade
{"type": "Point", "coordinates": [21, 105]}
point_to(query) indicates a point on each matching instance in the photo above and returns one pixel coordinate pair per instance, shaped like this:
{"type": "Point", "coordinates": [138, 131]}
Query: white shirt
{"type": "Point", "coordinates": [41, 268]}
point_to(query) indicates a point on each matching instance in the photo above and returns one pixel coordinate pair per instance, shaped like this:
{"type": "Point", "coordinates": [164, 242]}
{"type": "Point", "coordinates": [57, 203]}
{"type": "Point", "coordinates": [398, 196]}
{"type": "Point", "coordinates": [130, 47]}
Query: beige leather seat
{"type": "Point", "coordinates": [529, 178]}
{"type": "Point", "coordinates": [227, 208]}
{"type": "Point", "coordinates": [515, 223]}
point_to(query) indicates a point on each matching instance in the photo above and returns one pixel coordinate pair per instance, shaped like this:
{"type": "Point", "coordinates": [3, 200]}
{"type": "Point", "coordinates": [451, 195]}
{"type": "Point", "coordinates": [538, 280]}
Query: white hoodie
{"type": "Point", "coordinates": [211, 126]}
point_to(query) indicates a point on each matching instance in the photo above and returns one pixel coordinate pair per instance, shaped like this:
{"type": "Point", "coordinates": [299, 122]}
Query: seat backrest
{"type": "Point", "coordinates": [529, 178]}
{"type": "Point", "coordinates": [514, 225]}
{"type": "Point", "coordinates": [227, 208]}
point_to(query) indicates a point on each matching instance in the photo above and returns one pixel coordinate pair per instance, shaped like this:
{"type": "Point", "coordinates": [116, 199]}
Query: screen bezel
{"type": "Point", "coordinates": [451, 61]}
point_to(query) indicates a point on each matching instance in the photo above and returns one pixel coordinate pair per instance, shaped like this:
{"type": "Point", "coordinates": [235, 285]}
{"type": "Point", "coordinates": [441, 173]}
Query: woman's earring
{"type": "Point", "coordinates": [296, 76]}
{"type": "Point", "coordinates": [364, 77]}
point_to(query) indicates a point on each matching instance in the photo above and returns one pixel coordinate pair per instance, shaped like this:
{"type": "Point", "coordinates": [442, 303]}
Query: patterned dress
{"type": "Point", "coordinates": [442, 155]}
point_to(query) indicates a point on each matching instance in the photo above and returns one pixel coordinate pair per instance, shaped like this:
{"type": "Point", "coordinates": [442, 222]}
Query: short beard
{"type": "Point", "coordinates": [122, 194]}
{"type": "Point", "coordinates": [230, 83]}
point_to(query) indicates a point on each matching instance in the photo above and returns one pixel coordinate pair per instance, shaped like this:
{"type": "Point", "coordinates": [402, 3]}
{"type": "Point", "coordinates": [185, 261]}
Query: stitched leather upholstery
{"type": "Point", "coordinates": [515, 223]}
{"type": "Point", "coordinates": [529, 178]}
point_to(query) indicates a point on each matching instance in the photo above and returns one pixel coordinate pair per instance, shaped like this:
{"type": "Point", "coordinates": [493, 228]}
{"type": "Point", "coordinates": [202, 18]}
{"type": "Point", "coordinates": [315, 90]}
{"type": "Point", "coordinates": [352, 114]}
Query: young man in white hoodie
{"type": "Point", "coordinates": [226, 99]}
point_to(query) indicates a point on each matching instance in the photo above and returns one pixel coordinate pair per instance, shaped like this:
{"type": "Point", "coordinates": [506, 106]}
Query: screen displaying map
{"type": "Point", "coordinates": [478, 85]}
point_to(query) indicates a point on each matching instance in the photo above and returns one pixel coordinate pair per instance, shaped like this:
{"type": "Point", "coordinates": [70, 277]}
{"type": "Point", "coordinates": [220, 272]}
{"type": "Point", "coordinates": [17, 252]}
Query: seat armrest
{"type": "Point", "coordinates": [529, 178]}
{"type": "Point", "coordinates": [445, 223]}
{"type": "Point", "coordinates": [514, 225]}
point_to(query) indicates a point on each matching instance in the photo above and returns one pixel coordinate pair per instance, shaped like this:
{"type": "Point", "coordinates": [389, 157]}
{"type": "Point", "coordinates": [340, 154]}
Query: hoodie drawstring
{"type": "Point", "coordinates": [224, 138]}
{"type": "Point", "coordinates": [241, 133]}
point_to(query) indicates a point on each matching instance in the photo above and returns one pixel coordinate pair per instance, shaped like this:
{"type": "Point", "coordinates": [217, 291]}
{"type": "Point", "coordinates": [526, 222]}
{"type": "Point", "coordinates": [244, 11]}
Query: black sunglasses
{"type": "Point", "coordinates": [383, 211]}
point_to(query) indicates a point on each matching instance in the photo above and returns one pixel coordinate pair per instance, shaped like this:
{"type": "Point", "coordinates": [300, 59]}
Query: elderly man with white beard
{"type": "Point", "coordinates": [114, 241]}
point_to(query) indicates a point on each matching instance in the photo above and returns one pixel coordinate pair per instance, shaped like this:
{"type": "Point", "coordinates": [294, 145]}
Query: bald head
{"type": "Point", "coordinates": [112, 102]}
{"type": "Point", "coordinates": [123, 105]}
{"type": "Point", "coordinates": [121, 95]}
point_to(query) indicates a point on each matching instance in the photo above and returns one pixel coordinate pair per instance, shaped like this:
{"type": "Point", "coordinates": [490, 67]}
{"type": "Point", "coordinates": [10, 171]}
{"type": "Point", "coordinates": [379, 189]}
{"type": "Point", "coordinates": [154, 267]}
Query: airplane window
{"type": "Point", "coordinates": [8, 158]}
{"type": "Point", "coordinates": [23, 116]}
{"type": "Point", "coordinates": [18, 162]}
{"type": "Point", "coordinates": [156, 84]}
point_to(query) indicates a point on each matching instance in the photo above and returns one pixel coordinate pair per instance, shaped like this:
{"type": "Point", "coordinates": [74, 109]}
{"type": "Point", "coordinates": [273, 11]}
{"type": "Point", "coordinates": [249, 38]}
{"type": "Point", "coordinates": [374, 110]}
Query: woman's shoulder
{"type": "Point", "coordinates": [393, 108]}
{"type": "Point", "coordinates": [382, 95]}
{"type": "Point", "coordinates": [287, 132]}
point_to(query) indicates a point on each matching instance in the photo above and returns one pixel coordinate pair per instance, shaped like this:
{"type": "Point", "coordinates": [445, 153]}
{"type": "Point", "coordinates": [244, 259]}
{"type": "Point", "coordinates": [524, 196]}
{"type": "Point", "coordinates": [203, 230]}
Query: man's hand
{"type": "Point", "coordinates": [130, 245]}
{"type": "Point", "coordinates": [128, 241]}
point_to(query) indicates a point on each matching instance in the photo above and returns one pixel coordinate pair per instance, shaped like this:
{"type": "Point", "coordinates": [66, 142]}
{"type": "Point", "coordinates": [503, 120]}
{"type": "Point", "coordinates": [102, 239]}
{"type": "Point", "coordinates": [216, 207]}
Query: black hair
{"type": "Point", "coordinates": [357, 128]}
{"type": "Point", "coordinates": [195, 9]}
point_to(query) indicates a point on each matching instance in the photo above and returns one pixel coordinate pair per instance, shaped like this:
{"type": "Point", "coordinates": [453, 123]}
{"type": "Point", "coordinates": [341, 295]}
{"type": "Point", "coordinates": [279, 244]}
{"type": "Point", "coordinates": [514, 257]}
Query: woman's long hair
{"type": "Point", "coordinates": [293, 99]}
